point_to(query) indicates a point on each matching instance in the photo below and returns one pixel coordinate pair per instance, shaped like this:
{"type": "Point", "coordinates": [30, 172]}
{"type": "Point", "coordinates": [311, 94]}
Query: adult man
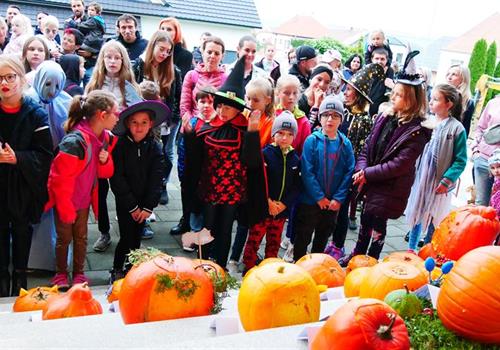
{"type": "Point", "coordinates": [78, 8]}
{"type": "Point", "coordinates": [12, 11]}
{"type": "Point", "coordinates": [306, 61]}
{"type": "Point", "coordinates": [380, 86]}
{"type": "Point", "coordinates": [197, 55]}
{"type": "Point", "coordinates": [3, 34]}
{"type": "Point", "coordinates": [129, 36]}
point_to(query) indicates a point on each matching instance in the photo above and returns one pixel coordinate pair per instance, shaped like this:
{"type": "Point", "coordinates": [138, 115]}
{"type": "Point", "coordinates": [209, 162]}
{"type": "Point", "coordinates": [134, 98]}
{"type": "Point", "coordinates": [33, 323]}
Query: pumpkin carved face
{"type": "Point", "coordinates": [408, 258]}
{"type": "Point", "coordinates": [353, 281]}
{"type": "Point", "coordinates": [165, 288]}
{"type": "Point", "coordinates": [360, 261]}
{"type": "Point", "coordinates": [276, 295]}
{"type": "Point", "coordinates": [469, 301]}
{"type": "Point", "coordinates": [363, 324]}
{"type": "Point", "coordinates": [33, 299]}
{"type": "Point", "coordinates": [388, 276]}
{"type": "Point", "coordinates": [77, 301]}
{"type": "Point", "coordinates": [323, 269]}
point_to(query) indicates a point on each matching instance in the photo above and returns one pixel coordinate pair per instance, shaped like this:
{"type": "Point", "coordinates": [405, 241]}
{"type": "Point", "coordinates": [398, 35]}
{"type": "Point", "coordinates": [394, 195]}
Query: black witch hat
{"type": "Point", "coordinates": [408, 74]}
{"type": "Point", "coordinates": [363, 80]}
{"type": "Point", "coordinates": [232, 92]}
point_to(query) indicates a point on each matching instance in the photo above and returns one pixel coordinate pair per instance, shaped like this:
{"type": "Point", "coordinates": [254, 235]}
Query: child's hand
{"type": "Point", "coordinates": [319, 95]}
{"type": "Point", "coordinates": [253, 121]}
{"type": "Point", "coordinates": [281, 207]}
{"type": "Point", "coordinates": [334, 205]}
{"type": "Point", "coordinates": [186, 123]}
{"type": "Point", "coordinates": [388, 82]}
{"type": "Point", "coordinates": [7, 154]}
{"type": "Point", "coordinates": [273, 209]}
{"type": "Point", "coordinates": [56, 54]}
{"type": "Point", "coordinates": [441, 189]}
{"type": "Point", "coordinates": [103, 156]}
{"type": "Point", "coordinates": [143, 215]}
{"type": "Point", "coordinates": [323, 203]}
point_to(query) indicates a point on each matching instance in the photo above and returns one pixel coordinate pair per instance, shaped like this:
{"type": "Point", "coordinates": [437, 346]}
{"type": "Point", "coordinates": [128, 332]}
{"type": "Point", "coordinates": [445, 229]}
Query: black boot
{"type": "Point", "coordinates": [4, 283]}
{"type": "Point", "coordinates": [182, 227]}
{"type": "Point", "coordinates": [19, 280]}
{"type": "Point", "coordinates": [164, 196]}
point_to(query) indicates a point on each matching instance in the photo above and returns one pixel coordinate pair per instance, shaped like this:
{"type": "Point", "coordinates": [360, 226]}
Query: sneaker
{"type": "Point", "coordinates": [345, 260]}
{"type": "Point", "coordinates": [335, 252]}
{"type": "Point", "coordinates": [407, 236]}
{"type": "Point", "coordinates": [79, 278]}
{"type": "Point", "coordinates": [352, 224]}
{"type": "Point", "coordinates": [147, 232]}
{"type": "Point", "coordinates": [288, 256]}
{"type": "Point", "coordinates": [164, 197]}
{"type": "Point", "coordinates": [181, 227]}
{"type": "Point", "coordinates": [152, 218]}
{"type": "Point", "coordinates": [60, 280]}
{"type": "Point", "coordinates": [285, 243]}
{"type": "Point", "coordinates": [232, 266]}
{"type": "Point", "coordinates": [421, 243]}
{"type": "Point", "coordinates": [102, 243]}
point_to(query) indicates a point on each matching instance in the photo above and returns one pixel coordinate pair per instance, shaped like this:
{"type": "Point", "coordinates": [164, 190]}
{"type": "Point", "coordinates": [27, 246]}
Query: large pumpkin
{"type": "Point", "coordinates": [215, 272]}
{"type": "Point", "coordinates": [469, 301]}
{"type": "Point", "coordinates": [114, 294]}
{"type": "Point", "coordinates": [465, 229]}
{"type": "Point", "coordinates": [406, 257]}
{"type": "Point", "coordinates": [77, 301]}
{"type": "Point", "coordinates": [276, 295]}
{"type": "Point", "coordinates": [33, 299]}
{"type": "Point", "coordinates": [353, 281]}
{"type": "Point", "coordinates": [165, 288]}
{"type": "Point", "coordinates": [363, 324]}
{"type": "Point", "coordinates": [323, 269]}
{"type": "Point", "coordinates": [360, 260]}
{"type": "Point", "coordinates": [388, 276]}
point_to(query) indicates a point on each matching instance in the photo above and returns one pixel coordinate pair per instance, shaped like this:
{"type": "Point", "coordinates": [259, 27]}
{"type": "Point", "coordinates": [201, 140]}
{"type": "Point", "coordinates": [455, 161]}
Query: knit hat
{"type": "Point", "coordinates": [160, 111]}
{"type": "Point", "coordinates": [232, 93]}
{"type": "Point", "coordinates": [494, 159]}
{"type": "Point", "coordinates": [321, 69]}
{"type": "Point", "coordinates": [285, 121]}
{"type": "Point", "coordinates": [332, 103]}
{"type": "Point", "coordinates": [331, 55]}
{"type": "Point", "coordinates": [305, 52]}
{"type": "Point", "coordinates": [408, 75]}
{"type": "Point", "coordinates": [363, 80]}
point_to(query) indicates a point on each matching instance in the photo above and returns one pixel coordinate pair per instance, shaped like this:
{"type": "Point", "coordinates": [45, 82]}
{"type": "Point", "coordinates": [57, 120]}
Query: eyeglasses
{"type": "Point", "coordinates": [9, 78]}
{"type": "Point", "coordinates": [331, 115]}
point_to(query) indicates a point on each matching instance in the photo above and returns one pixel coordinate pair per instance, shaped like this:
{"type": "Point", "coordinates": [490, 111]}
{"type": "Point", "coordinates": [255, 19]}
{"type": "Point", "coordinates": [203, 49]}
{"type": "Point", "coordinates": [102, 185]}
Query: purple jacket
{"type": "Point", "coordinates": [389, 181]}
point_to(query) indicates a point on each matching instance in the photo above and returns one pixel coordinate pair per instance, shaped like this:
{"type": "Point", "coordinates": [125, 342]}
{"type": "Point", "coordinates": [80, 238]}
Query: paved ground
{"type": "Point", "coordinates": [98, 264]}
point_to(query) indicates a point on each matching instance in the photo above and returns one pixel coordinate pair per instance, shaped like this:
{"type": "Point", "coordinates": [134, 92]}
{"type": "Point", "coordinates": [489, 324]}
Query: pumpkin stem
{"type": "Point", "coordinates": [406, 287]}
{"type": "Point", "coordinates": [385, 332]}
{"type": "Point", "coordinates": [281, 269]}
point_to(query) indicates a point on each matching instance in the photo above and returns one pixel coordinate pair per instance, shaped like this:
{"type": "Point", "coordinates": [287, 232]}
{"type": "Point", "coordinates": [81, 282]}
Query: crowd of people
{"type": "Point", "coordinates": [255, 143]}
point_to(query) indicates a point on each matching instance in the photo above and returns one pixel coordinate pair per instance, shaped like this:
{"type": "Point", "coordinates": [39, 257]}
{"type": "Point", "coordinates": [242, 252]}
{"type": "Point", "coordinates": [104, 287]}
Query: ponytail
{"type": "Point", "coordinates": [87, 107]}
{"type": "Point", "coordinates": [453, 95]}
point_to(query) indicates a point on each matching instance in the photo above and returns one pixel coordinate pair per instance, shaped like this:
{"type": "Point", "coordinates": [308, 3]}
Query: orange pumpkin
{"type": "Point", "coordinates": [277, 294]}
{"type": "Point", "coordinates": [391, 275]}
{"type": "Point", "coordinates": [363, 324]}
{"type": "Point", "coordinates": [323, 269]}
{"type": "Point", "coordinates": [164, 288]}
{"type": "Point", "coordinates": [77, 301]}
{"type": "Point", "coordinates": [406, 257]}
{"type": "Point", "coordinates": [33, 299]}
{"type": "Point", "coordinates": [214, 271]}
{"type": "Point", "coordinates": [115, 291]}
{"type": "Point", "coordinates": [427, 251]}
{"type": "Point", "coordinates": [353, 281]}
{"type": "Point", "coordinates": [469, 301]}
{"type": "Point", "coordinates": [465, 229]}
{"type": "Point", "coordinates": [360, 261]}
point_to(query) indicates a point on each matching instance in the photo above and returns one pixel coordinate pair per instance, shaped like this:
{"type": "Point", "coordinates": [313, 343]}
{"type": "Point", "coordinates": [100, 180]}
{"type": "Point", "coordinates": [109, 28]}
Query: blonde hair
{"type": "Point", "coordinates": [287, 80]}
{"type": "Point", "coordinates": [25, 23]}
{"type": "Point", "coordinates": [15, 64]}
{"type": "Point", "coordinates": [464, 87]}
{"type": "Point", "coordinates": [50, 20]}
{"type": "Point", "coordinates": [149, 90]}
{"type": "Point", "coordinates": [415, 103]}
{"type": "Point", "coordinates": [88, 106]}
{"type": "Point", "coordinates": [265, 87]}
{"type": "Point", "coordinates": [165, 70]}
{"type": "Point", "coordinates": [125, 73]}
{"type": "Point", "coordinates": [377, 31]}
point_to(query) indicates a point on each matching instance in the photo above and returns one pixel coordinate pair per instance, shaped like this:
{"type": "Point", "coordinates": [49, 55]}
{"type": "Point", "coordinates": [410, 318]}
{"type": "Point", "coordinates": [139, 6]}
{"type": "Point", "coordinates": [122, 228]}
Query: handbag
{"type": "Point", "coordinates": [492, 135]}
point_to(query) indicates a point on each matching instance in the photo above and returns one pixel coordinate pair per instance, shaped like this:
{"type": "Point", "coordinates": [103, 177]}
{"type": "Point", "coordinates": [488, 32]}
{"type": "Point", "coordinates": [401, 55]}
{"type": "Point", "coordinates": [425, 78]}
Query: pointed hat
{"type": "Point", "coordinates": [232, 92]}
{"type": "Point", "coordinates": [363, 80]}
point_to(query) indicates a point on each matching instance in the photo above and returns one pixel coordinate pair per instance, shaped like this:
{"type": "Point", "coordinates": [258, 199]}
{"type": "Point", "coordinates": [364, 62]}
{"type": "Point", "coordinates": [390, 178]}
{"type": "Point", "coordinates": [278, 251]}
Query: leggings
{"type": "Point", "coordinates": [130, 237]}
{"type": "Point", "coordinates": [76, 232]}
{"type": "Point", "coordinates": [373, 229]}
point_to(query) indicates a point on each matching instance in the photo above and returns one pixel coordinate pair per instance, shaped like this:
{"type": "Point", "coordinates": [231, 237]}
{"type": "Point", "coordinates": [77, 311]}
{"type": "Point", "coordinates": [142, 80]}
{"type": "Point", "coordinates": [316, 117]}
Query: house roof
{"type": "Point", "coordinates": [242, 13]}
{"type": "Point", "coordinates": [487, 29]}
{"type": "Point", "coordinates": [303, 27]}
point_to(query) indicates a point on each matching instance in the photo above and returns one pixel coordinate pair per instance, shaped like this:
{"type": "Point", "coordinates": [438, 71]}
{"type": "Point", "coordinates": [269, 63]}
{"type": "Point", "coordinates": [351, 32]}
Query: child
{"type": "Point", "coordinates": [223, 151]}
{"type": "Point", "coordinates": [50, 28]}
{"type": "Point", "coordinates": [386, 166]}
{"type": "Point", "coordinates": [93, 28]}
{"type": "Point", "coordinates": [377, 39]}
{"type": "Point", "coordinates": [137, 180]}
{"type": "Point", "coordinates": [84, 155]}
{"type": "Point", "coordinates": [327, 165]}
{"type": "Point", "coordinates": [442, 161]}
{"type": "Point", "coordinates": [283, 179]}
{"type": "Point", "coordinates": [21, 31]}
{"type": "Point", "coordinates": [74, 67]}
{"type": "Point", "coordinates": [494, 163]}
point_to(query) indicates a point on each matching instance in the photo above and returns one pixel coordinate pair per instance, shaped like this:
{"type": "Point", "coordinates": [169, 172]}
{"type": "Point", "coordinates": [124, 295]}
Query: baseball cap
{"type": "Point", "coordinates": [331, 55]}
{"type": "Point", "coordinates": [305, 52]}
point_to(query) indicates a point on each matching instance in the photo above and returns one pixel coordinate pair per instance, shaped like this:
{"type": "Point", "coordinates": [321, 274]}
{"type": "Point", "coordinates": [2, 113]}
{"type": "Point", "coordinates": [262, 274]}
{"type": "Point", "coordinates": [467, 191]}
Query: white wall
{"type": "Point", "coordinates": [446, 59]}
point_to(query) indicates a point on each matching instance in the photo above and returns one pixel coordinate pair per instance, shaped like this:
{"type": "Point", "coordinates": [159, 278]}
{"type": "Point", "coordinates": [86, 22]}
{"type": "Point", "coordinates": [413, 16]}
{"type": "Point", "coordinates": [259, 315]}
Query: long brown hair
{"type": "Point", "coordinates": [125, 74]}
{"type": "Point", "coordinates": [87, 107]}
{"type": "Point", "coordinates": [165, 70]}
{"type": "Point", "coordinates": [451, 94]}
{"type": "Point", "coordinates": [415, 102]}
{"type": "Point", "coordinates": [27, 43]}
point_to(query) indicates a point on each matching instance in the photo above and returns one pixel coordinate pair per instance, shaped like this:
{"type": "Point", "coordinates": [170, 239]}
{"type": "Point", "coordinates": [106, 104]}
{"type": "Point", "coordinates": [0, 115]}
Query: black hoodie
{"type": "Point", "coordinates": [71, 66]}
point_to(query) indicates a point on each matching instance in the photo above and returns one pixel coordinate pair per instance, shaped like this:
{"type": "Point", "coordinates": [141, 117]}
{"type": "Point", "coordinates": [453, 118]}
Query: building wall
{"type": "Point", "coordinates": [446, 59]}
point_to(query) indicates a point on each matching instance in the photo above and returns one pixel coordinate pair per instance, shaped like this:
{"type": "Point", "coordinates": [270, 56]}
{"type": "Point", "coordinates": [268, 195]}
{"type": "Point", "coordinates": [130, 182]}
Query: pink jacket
{"type": "Point", "coordinates": [193, 82]}
{"type": "Point", "coordinates": [489, 117]}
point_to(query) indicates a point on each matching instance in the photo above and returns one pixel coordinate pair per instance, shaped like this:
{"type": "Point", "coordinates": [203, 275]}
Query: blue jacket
{"type": "Point", "coordinates": [283, 175]}
{"type": "Point", "coordinates": [326, 169]}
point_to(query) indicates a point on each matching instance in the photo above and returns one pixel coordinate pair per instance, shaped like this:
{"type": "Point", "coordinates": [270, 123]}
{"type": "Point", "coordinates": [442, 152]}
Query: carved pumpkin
{"type": "Point", "coordinates": [270, 260]}
{"type": "Point", "coordinates": [469, 301]}
{"type": "Point", "coordinates": [360, 261]}
{"type": "Point", "coordinates": [215, 272]}
{"type": "Point", "coordinates": [353, 281]}
{"type": "Point", "coordinates": [465, 229]}
{"type": "Point", "coordinates": [276, 295]}
{"type": "Point", "coordinates": [406, 257]}
{"type": "Point", "coordinates": [164, 288]}
{"type": "Point", "coordinates": [388, 276]}
{"type": "Point", "coordinates": [114, 295]}
{"type": "Point", "coordinates": [427, 251]}
{"type": "Point", "coordinates": [363, 324]}
{"type": "Point", "coordinates": [323, 269]}
{"type": "Point", "coordinates": [33, 299]}
{"type": "Point", "coordinates": [77, 301]}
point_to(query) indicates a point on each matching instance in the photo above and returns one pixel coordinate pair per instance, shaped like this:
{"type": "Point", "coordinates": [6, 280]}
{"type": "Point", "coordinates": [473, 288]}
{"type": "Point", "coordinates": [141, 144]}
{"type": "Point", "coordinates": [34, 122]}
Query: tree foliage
{"type": "Point", "coordinates": [491, 59]}
{"type": "Point", "coordinates": [324, 44]}
{"type": "Point", "coordinates": [477, 62]}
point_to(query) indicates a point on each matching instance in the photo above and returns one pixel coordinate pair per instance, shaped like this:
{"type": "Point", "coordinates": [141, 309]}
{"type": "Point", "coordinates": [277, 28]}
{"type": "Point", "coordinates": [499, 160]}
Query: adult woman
{"type": "Point", "coordinates": [35, 51]}
{"type": "Point", "coordinates": [182, 57]}
{"type": "Point", "coordinates": [248, 46]}
{"type": "Point", "coordinates": [352, 65]}
{"type": "Point", "coordinates": [158, 66]}
{"type": "Point", "coordinates": [3, 34]}
{"type": "Point", "coordinates": [459, 76]}
{"type": "Point", "coordinates": [25, 156]}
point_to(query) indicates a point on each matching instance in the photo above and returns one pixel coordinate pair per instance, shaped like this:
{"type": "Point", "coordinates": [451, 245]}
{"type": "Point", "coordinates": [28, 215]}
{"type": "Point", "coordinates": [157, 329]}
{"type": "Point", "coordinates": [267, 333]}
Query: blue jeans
{"type": "Point", "coordinates": [196, 222]}
{"type": "Point", "coordinates": [168, 149]}
{"type": "Point", "coordinates": [415, 235]}
{"type": "Point", "coordinates": [484, 181]}
{"type": "Point", "coordinates": [239, 242]}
